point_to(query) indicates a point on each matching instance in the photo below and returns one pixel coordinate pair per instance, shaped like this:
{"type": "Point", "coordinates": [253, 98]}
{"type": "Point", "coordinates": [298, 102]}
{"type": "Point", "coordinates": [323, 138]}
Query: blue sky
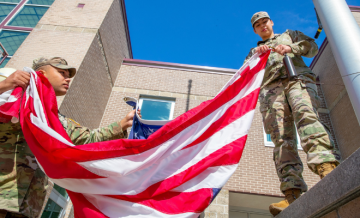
{"type": "Point", "coordinates": [210, 32]}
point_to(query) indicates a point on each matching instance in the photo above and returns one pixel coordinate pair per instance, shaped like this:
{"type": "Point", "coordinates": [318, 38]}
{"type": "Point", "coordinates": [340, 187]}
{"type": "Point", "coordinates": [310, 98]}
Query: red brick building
{"type": "Point", "coordinates": [94, 37]}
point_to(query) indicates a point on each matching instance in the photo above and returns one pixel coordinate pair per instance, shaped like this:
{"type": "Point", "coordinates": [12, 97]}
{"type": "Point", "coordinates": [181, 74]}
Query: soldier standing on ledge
{"type": "Point", "coordinates": [22, 183]}
{"type": "Point", "coordinates": [285, 102]}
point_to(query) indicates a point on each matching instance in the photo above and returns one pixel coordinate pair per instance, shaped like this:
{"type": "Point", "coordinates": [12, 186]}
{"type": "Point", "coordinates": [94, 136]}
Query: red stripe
{"type": "Point", "coordinates": [179, 202]}
{"type": "Point", "coordinates": [119, 148]}
{"type": "Point", "coordinates": [83, 208]}
{"type": "Point", "coordinates": [56, 168]}
{"type": "Point", "coordinates": [228, 155]}
{"type": "Point", "coordinates": [237, 110]}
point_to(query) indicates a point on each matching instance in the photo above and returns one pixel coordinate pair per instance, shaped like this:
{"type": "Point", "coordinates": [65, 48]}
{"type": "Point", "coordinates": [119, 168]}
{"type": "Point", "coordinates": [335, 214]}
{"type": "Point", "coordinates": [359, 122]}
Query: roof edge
{"type": "Point", "coordinates": [175, 66]}
{"type": "Point", "coordinates": [123, 9]}
{"type": "Point", "coordinates": [354, 8]}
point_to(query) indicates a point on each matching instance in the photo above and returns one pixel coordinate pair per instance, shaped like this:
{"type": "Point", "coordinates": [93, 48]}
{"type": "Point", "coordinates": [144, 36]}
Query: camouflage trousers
{"type": "Point", "coordinates": [284, 103]}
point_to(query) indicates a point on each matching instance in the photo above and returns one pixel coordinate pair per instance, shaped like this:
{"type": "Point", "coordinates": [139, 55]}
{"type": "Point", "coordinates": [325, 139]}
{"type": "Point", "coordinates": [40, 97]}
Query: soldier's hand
{"type": "Point", "coordinates": [262, 49]}
{"type": "Point", "coordinates": [128, 119]}
{"type": "Point", "coordinates": [282, 49]}
{"type": "Point", "coordinates": [18, 78]}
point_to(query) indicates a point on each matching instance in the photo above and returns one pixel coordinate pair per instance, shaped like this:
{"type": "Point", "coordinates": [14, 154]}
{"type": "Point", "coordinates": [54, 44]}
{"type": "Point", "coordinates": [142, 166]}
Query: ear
{"type": "Point", "coordinates": [272, 23]}
{"type": "Point", "coordinates": [43, 72]}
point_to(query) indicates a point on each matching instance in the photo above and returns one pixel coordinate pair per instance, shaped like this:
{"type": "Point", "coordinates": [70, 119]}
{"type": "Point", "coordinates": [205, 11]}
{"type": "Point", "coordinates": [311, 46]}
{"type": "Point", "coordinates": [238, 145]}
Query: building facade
{"type": "Point", "coordinates": [94, 37]}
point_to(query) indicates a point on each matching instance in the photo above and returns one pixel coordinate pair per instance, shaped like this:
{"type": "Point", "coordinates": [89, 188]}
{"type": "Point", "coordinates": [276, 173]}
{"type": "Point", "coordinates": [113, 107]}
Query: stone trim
{"type": "Point", "coordinates": [161, 93]}
{"type": "Point", "coordinates": [175, 66]}
{"type": "Point", "coordinates": [66, 28]}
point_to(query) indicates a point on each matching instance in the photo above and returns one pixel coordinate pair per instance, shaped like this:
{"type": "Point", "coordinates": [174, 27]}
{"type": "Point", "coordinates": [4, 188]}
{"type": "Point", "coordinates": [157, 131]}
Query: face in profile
{"type": "Point", "coordinates": [58, 78]}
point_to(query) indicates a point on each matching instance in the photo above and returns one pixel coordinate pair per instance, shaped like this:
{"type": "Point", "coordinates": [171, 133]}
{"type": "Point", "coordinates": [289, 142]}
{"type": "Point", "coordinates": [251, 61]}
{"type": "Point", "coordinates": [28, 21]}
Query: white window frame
{"type": "Point", "coordinates": [271, 144]}
{"type": "Point", "coordinates": [159, 99]}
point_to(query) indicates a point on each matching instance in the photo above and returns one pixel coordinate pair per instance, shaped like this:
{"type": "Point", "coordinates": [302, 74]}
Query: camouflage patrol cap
{"type": "Point", "coordinates": [257, 16]}
{"type": "Point", "coordinates": [55, 62]}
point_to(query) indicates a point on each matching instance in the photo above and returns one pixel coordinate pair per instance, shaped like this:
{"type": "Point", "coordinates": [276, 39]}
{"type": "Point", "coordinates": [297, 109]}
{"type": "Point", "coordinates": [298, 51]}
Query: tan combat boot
{"type": "Point", "coordinates": [325, 168]}
{"type": "Point", "coordinates": [290, 196]}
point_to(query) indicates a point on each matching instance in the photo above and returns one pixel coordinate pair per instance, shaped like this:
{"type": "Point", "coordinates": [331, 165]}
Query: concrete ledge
{"type": "Point", "coordinates": [338, 188]}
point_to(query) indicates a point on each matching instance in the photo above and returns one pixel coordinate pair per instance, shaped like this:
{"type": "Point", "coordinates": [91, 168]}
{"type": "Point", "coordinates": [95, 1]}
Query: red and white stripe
{"type": "Point", "coordinates": [170, 174]}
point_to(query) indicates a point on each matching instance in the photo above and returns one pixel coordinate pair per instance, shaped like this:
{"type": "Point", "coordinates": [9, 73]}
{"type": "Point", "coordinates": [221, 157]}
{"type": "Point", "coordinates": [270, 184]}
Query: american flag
{"type": "Point", "coordinates": [176, 172]}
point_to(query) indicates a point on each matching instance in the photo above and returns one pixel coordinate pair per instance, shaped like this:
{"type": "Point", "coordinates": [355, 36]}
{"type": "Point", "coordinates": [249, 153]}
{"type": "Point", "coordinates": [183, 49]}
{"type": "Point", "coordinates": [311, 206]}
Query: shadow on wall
{"type": "Point", "coordinates": [188, 94]}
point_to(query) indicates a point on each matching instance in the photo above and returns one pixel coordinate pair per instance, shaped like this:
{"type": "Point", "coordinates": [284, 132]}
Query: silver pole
{"type": "Point", "coordinates": [343, 34]}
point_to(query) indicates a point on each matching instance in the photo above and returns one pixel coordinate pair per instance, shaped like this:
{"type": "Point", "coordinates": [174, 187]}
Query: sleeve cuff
{"type": "Point", "coordinates": [295, 48]}
{"type": "Point", "coordinates": [123, 134]}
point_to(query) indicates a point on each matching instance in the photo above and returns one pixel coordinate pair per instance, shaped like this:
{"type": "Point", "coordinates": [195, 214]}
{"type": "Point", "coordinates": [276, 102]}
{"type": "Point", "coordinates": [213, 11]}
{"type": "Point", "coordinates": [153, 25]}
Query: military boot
{"type": "Point", "coordinates": [325, 168]}
{"type": "Point", "coordinates": [290, 196]}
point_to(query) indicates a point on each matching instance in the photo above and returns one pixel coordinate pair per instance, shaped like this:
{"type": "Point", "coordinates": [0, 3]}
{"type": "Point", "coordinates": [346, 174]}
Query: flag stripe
{"type": "Point", "coordinates": [171, 164]}
{"type": "Point", "coordinates": [118, 208]}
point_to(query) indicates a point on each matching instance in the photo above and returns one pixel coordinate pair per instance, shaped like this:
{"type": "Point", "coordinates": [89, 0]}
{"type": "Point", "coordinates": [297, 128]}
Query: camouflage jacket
{"type": "Point", "coordinates": [301, 45]}
{"type": "Point", "coordinates": [22, 182]}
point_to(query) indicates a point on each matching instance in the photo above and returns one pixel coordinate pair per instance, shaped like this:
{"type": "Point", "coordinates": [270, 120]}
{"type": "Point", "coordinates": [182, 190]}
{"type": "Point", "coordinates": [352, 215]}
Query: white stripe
{"type": "Point", "coordinates": [115, 208]}
{"type": "Point", "coordinates": [253, 61]}
{"type": "Point", "coordinates": [132, 163]}
{"type": "Point", "coordinates": [213, 177]}
{"type": "Point", "coordinates": [5, 97]}
{"type": "Point", "coordinates": [170, 165]}
{"type": "Point", "coordinates": [38, 122]}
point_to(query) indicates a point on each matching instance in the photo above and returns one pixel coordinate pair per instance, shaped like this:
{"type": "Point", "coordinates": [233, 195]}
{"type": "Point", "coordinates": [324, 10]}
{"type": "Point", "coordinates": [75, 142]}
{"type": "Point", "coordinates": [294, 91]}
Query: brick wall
{"type": "Point", "coordinates": [133, 81]}
{"type": "Point", "coordinates": [114, 39]}
{"type": "Point", "coordinates": [341, 113]}
{"type": "Point", "coordinates": [85, 102]}
{"type": "Point", "coordinates": [219, 208]}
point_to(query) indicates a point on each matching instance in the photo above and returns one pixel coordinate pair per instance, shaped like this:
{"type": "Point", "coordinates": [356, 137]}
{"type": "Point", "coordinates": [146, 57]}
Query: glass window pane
{"type": "Point", "coordinates": [52, 210]}
{"type": "Point", "coordinates": [40, 2]}
{"type": "Point", "coordinates": [12, 40]}
{"type": "Point", "coordinates": [55, 215]}
{"type": "Point", "coordinates": [5, 9]}
{"type": "Point", "coordinates": [29, 16]}
{"type": "Point", "coordinates": [13, 1]}
{"type": "Point", "coordinates": [61, 190]}
{"type": "Point", "coordinates": [155, 110]}
{"type": "Point", "coordinates": [268, 137]}
{"type": "Point", "coordinates": [5, 62]}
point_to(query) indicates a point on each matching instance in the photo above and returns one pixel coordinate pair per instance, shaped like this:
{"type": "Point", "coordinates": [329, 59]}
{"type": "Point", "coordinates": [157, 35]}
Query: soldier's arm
{"type": "Point", "coordinates": [302, 44]}
{"type": "Point", "coordinates": [251, 53]}
{"type": "Point", "coordinates": [80, 135]}
{"type": "Point", "coordinates": [18, 78]}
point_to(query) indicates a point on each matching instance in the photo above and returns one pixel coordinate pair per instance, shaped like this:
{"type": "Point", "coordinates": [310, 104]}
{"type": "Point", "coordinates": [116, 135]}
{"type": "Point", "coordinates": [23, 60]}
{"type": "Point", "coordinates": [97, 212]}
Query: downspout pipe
{"type": "Point", "coordinates": [343, 34]}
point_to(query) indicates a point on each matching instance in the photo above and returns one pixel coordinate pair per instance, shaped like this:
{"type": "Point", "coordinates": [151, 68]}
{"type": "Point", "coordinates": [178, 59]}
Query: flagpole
{"type": "Point", "coordinates": [343, 34]}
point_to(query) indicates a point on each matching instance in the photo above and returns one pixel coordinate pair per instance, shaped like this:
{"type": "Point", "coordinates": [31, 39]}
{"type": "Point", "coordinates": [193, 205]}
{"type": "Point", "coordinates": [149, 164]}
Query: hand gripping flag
{"type": "Point", "coordinates": [176, 172]}
{"type": "Point", "coordinates": [142, 129]}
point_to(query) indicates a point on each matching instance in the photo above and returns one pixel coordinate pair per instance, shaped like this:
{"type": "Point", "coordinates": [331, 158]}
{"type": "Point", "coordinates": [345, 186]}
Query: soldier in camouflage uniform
{"type": "Point", "coordinates": [22, 183]}
{"type": "Point", "coordinates": [284, 102]}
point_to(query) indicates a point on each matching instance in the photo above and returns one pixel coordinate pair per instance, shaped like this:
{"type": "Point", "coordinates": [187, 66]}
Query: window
{"type": "Point", "coordinates": [269, 143]}
{"type": "Point", "coordinates": [5, 62]}
{"type": "Point", "coordinates": [12, 40]}
{"type": "Point", "coordinates": [29, 16]}
{"type": "Point", "coordinates": [5, 9]}
{"type": "Point", "coordinates": [40, 2]}
{"type": "Point", "coordinates": [51, 210]}
{"type": "Point", "coordinates": [17, 19]}
{"type": "Point", "coordinates": [156, 108]}
{"type": "Point", "coordinates": [61, 190]}
{"type": "Point", "coordinates": [11, 1]}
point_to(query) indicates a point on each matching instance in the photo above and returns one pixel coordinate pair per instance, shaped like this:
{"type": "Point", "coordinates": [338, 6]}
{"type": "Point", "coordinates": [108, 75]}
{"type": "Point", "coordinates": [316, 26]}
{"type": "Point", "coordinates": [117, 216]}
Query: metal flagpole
{"type": "Point", "coordinates": [343, 34]}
